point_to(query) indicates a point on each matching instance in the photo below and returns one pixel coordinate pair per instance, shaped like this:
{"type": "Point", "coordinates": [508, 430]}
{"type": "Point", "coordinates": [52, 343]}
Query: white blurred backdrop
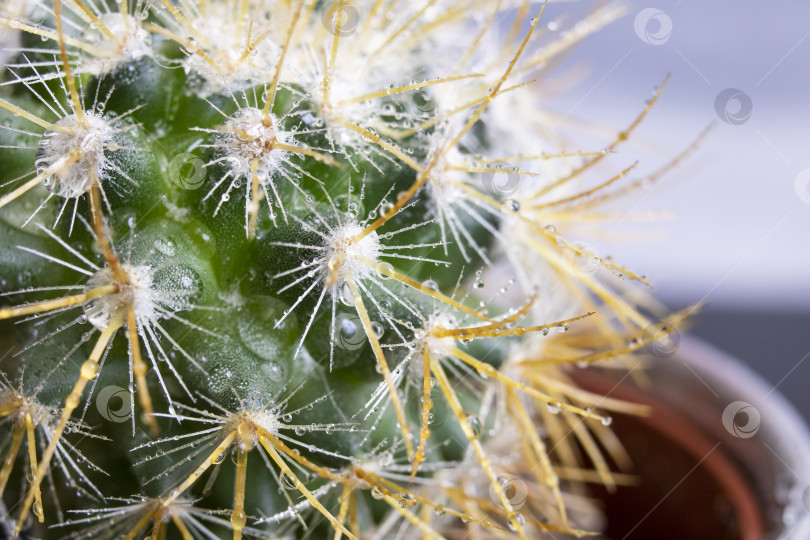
{"type": "Point", "coordinates": [739, 236]}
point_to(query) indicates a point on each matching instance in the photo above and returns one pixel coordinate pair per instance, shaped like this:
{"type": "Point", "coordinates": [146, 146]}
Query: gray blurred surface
{"type": "Point", "coordinates": [775, 344]}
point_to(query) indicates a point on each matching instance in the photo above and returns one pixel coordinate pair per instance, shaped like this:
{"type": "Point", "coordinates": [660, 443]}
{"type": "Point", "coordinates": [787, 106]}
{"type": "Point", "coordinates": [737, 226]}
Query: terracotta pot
{"type": "Point", "coordinates": [722, 456]}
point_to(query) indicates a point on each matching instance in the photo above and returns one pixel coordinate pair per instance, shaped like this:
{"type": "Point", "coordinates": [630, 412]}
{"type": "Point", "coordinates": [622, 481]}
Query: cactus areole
{"type": "Point", "coordinates": [320, 265]}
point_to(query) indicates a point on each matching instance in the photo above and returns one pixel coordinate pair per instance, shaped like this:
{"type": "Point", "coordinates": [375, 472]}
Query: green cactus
{"type": "Point", "coordinates": [274, 258]}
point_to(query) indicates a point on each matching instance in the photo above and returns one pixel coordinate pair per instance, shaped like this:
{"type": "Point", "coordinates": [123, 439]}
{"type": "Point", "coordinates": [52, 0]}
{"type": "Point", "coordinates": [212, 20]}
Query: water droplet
{"type": "Point", "coordinates": [346, 296]}
{"type": "Point", "coordinates": [475, 424]}
{"type": "Point", "coordinates": [516, 521]}
{"type": "Point", "coordinates": [430, 284]}
{"type": "Point", "coordinates": [378, 329]}
{"type": "Point", "coordinates": [287, 481]}
{"type": "Point", "coordinates": [166, 247]}
{"type": "Point", "coordinates": [238, 519]}
{"type": "Point", "coordinates": [511, 205]}
{"type": "Point", "coordinates": [554, 407]}
{"type": "Point", "coordinates": [385, 269]}
{"type": "Point", "coordinates": [37, 510]}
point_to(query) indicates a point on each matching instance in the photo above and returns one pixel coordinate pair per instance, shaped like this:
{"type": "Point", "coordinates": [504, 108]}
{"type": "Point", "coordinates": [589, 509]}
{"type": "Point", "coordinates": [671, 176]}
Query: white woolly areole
{"type": "Point", "coordinates": [131, 41]}
{"type": "Point", "coordinates": [440, 347]}
{"type": "Point", "coordinates": [244, 423]}
{"type": "Point", "coordinates": [137, 293]}
{"type": "Point", "coordinates": [40, 414]}
{"type": "Point", "coordinates": [89, 139]}
{"type": "Point", "coordinates": [346, 255]}
{"type": "Point", "coordinates": [245, 138]}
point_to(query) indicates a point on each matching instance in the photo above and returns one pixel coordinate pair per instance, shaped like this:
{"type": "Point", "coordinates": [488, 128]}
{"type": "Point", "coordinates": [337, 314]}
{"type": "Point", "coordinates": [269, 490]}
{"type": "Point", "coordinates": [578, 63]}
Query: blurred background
{"type": "Point", "coordinates": [737, 238]}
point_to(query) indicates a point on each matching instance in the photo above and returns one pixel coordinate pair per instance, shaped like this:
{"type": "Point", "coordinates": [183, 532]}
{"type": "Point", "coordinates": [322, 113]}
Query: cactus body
{"type": "Point", "coordinates": [274, 258]}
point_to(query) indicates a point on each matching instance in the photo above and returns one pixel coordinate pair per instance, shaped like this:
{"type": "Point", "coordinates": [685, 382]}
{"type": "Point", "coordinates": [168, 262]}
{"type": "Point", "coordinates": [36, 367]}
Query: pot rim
{"type": "Point", "coordinates": [783, 430]}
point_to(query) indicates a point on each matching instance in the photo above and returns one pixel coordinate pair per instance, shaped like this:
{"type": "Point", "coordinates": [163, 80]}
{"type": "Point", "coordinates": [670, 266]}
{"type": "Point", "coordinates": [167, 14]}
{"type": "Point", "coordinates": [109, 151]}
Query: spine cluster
{"type": "Point", "coordinates": [317, 264]}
